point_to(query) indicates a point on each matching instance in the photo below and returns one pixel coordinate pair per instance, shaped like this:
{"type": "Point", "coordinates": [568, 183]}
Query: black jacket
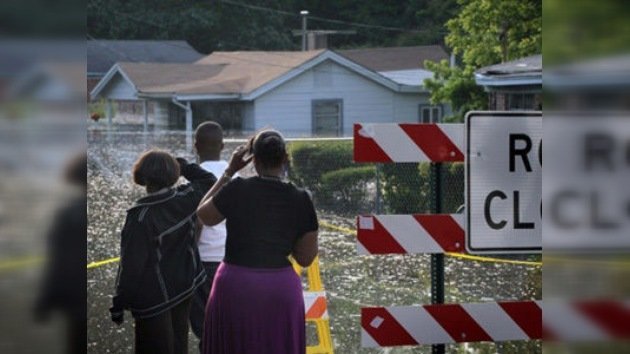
{"type": "Point", "coordinates": [160, 263]}
{"type": "Point", "coordinates": [64, 282]}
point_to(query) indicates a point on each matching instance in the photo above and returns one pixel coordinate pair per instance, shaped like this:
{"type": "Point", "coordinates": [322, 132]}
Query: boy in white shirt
{"type": "Point", "coordinates": [208, 144]}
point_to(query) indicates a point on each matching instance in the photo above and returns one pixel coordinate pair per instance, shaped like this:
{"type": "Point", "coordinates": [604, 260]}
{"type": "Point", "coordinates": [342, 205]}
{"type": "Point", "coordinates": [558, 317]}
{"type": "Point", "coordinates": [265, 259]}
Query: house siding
{"type": "Point", "coordinates": [288, 107]}
{"type": "Point", "coordinates": [119, 89]}
{"type": "Point", "coordinates": [249, 124]}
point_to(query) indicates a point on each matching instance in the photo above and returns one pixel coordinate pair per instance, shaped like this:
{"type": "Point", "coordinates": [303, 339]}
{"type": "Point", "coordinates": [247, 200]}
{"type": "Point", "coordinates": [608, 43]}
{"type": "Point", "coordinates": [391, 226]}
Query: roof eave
{"type": "Point", "coordinates": [155, 95]}
{"type": "Point", "coordinates": [207, 96]}
{"type": "Point", "coordinates": [412, 89]}
{"type": "Point", "coordinates": [585, 81]}
{"type": "Point", "coordinates": [526, 80]}
{"type": "Point", "coordinates": [96, 91]}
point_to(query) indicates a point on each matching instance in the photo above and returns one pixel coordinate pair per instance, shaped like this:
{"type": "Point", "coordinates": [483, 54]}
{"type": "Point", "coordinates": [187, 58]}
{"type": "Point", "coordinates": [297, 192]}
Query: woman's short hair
{"type": "Point", "coordinates": [269, 148]}
{"type": "Point", "coordinates": [156, 168]}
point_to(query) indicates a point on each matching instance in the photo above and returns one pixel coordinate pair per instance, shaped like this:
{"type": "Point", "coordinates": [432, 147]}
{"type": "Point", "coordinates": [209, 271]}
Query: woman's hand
{"type": "Point", "coordinates": [237, 161]}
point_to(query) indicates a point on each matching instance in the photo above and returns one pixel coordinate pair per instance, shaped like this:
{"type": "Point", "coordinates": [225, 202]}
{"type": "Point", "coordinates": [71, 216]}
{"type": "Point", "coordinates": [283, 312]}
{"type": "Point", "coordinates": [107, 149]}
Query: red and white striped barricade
{"type": "Point", "coordinates": [451, 323]}
{"type": "Point", "coordinates": [413, 234]}
{"type": "Point", "coordinates": [578, 321]}
{"type": "Point", "coordinates": [315, 305]}
{"type": "Point", "coordinates": [410, 234]}
{"type": "Point", "coordinates": [408, 142]}
{"type": "Point", "coordinates": [575, 321]}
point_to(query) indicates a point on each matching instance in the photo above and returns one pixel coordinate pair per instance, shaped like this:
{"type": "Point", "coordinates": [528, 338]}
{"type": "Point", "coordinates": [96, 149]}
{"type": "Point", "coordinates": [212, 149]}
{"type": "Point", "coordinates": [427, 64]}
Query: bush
{"type": "Point", "coordinates": [405, 188]}
{"type": "Point", "coordinates": [310, 160]}
{"type": "Point", "coordinates": [408, 188]}
{"type": "Point", "coordinates": [452, 187]}
{"type": "Point", "coordinates": [341, 186]}
{"type": "Point", "coordinates": [98, 109]}
{"type": "Point", "coordinates": [348, 191]}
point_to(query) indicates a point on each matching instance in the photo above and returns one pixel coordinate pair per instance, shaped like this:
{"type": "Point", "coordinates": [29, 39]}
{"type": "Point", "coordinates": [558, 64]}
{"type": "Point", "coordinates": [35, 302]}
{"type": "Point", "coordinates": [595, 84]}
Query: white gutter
{"type": "Point", "coordinates": [209, 97]}
{"type": "Point", "coordinates": [185, 107]}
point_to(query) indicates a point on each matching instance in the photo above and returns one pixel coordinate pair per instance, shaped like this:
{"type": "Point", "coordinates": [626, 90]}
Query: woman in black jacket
{"type": "Point", "coordinates": [160, 267]}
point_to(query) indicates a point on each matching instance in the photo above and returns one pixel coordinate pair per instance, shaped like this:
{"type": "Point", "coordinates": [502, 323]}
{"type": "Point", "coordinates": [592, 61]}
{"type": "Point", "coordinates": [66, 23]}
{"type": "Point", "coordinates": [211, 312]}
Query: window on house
{"type": "Point", "coordinates": [520, 101]}
{"type": "Point", "coordinates": [327, 117]}
{"type": "Point", "coordinates": [430, 114]}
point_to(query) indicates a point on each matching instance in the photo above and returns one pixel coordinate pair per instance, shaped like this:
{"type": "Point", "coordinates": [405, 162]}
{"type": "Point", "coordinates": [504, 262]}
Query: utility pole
{"type": "Point", "coordinates": [315, 39]}
{"type": "Point", "coordinates": [304, 14]}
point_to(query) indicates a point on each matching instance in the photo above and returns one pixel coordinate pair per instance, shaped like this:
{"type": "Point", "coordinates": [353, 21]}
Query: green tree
{"type": "Point", "coordinates": [268, 24]}
{"type": "Point", "coordinates": [484, 32]}
{"type": "Point", "coordinates": [432, 16]}
{"type": "Point", "coordinates": [206, 25]}
{"type": "Point", "coordinates": [455, 86]}
{"type": "Point", "coordinates": [582, 29]}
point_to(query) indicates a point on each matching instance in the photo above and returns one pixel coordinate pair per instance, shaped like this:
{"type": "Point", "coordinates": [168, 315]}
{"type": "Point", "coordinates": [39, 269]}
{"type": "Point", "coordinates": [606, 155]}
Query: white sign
{"type": "Point", "coordinates": [504, 182]}
{"type": "Point", "coordinates": [586, 194]}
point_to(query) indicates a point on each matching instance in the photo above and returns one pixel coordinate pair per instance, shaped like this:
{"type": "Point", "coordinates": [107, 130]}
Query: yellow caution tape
{"type": "Point", "coordinates": [10, 264]}
{"type": "Point", "coordinates": [620, 264]}
{"type": "Point", "coordinates": [103, 262]}
{"type": "Point", "coordinates": [494, 260]}
{"type": "Point", "coordinates": [328, 226]}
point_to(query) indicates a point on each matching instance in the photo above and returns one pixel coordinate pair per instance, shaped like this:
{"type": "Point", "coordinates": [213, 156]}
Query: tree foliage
{"type": "Point", "coordinates": [582, 29]}
{"type": "Point", "coordinates": [484, 32]}
{"type": "Point", "coordinates": [455, 86]}
{"type": "Point", "coordinates": [206, 25]}
{"type": "Point", "coordinates": [487, 32]}
{"type": "Point", "coordinates": [268, 24]}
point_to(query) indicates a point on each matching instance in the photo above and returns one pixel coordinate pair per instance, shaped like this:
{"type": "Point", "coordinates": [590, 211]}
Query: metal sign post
{"type": "Point", "coordinates": [437, 259]}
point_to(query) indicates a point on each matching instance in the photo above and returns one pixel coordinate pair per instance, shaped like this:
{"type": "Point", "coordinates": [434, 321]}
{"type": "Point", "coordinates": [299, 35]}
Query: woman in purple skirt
{"type": "Point", "coordinates": [256, 304]}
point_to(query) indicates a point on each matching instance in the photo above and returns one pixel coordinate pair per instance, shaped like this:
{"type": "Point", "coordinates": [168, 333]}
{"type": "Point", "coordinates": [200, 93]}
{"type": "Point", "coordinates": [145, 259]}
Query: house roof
{"type": "Point", "coordinates": [67, 78]}
{"type": "Point", "coordinates": [395, 58]}
{"type": "Point", "coordinates": [523, 71]}
{"type": "Point", "coordinates": [611, 71]}
{"type": "Point", "coordinates": [412, 77]}
{"type": "Point", "coordinates": [18, 56]}
{"type": "Point", "coordinates": [103, 54]}
{"type": "Point", "coordinates": [256, 68]}
{"type": "Point", "coordinates": [528, 64]}
{"type": "Point", "coordinates": [169, 78]}
{"type": "Point", "coordinates": [244, 75]}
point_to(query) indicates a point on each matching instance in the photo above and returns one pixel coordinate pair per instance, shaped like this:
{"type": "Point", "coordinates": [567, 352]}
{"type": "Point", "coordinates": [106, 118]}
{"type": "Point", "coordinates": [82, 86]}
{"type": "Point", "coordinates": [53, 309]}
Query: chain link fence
{"type": "Point", "coordinates": [341, 190]}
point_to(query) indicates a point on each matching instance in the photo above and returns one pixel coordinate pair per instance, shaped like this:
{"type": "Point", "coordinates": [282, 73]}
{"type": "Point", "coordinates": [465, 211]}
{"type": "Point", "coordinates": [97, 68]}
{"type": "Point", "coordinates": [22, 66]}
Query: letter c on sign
{"type": "Point", "coordinates": [486, 210]}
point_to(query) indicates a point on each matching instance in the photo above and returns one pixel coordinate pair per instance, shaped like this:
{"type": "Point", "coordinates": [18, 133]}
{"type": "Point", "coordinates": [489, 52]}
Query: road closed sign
{"type": "Point", "coordinates": [504, 182]}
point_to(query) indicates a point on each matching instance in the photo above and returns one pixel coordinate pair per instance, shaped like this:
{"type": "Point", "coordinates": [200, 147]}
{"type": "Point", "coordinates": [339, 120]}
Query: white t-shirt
{"type": "Point", "coordinates": [212, 239]}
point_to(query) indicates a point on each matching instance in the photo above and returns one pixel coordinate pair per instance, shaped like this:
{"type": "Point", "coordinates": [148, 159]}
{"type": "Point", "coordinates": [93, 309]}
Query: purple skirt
{"type": "Point", "coordinates": [255, 311]}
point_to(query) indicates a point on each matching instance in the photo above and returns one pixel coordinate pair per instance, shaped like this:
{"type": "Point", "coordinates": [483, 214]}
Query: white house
{"type": "Point", "coordinates": [50, 82]}
{"type": "Point", "coordinates": [311, 93]}
{"type": "Point", "coordinates": [513, 85]}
